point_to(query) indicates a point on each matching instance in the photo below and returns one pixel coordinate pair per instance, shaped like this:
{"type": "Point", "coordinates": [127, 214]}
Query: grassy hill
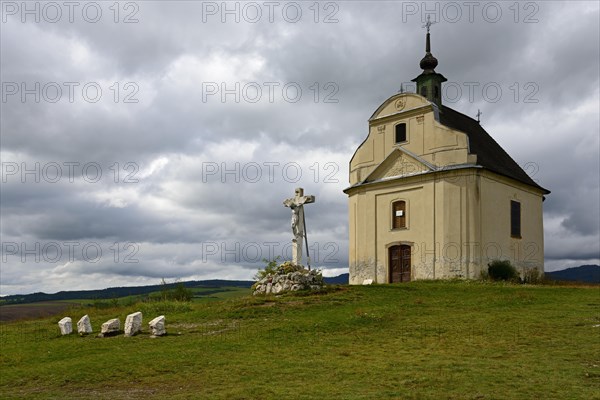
{"type": "Point", "coordinates": [423, 340]}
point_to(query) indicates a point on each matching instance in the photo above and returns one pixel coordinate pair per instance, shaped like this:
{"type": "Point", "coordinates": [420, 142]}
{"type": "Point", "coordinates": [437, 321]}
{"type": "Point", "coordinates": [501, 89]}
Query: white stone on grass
{"type": "Point", "coordinates": [368, 282]}
{"type": "Point", "coordinates": [110, 327]}
{"type": "Point", "coordinates": [133, 324]}
{"type": "Point", "coordinates": [84, 326]}
{"type": "Point", "coordinates": [65, 325]}
{"type": "Point", "coordinates": [157, 326]}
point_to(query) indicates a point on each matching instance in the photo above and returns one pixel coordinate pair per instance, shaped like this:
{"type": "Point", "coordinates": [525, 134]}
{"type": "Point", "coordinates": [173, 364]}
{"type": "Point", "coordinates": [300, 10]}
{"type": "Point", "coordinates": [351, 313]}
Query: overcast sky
{"type": "Point", "coordinates": [153, 139]}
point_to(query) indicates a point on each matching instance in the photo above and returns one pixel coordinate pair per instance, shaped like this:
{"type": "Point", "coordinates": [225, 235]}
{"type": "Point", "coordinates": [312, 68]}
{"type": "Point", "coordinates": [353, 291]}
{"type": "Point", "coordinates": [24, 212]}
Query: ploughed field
{"type": "Point", "coordinates": [14, 312]}
{"type": "Point", "coordinates": [422, 340]}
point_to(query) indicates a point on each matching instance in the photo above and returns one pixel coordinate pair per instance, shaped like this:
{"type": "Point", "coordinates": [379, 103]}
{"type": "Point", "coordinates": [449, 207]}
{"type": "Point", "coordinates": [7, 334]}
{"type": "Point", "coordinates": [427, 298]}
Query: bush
{"type": "Point", "coordinates": [532, 276]}
{"type": "Point", "coordinates": [502, 270]}
{"type": "Point", "coordinates": [168, 292]}
{"type": "Point", "coordinates": [270, 268]}
{"type": "Point", "coordinates": [180, 293]}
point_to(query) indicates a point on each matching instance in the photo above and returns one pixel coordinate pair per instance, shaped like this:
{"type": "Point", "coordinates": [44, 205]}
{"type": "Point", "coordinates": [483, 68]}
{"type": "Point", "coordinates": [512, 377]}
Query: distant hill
{"type": "Point", "coordinates": [584, 273]}
{"type": "Point", "coordinates": [115, 292]}
{"type": "Point", "coordinates": [342, 279]}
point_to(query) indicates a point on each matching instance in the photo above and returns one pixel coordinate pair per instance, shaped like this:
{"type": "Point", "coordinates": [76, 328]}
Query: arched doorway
{"type": "Point", "coordinates": [399, 263]}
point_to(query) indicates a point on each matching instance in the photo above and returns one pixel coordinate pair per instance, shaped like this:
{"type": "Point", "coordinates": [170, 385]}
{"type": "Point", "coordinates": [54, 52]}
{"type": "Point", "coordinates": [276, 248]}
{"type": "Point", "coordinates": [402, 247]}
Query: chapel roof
{"type": "Point", "coordinates": [490, 155]}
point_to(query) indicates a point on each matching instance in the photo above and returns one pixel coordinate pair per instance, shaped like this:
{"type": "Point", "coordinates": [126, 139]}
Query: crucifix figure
{"type": "Point", "coordinates": [296, 203]}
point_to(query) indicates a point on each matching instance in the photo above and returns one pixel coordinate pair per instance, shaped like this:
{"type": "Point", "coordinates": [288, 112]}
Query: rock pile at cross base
{"type": "Point", "coordinates": [289, 278]}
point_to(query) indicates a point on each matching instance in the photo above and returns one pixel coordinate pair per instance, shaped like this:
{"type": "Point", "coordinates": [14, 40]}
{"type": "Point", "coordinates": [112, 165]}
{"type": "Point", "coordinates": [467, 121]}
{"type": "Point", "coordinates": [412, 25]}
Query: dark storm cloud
{"type": "Point", "coordinates": [176, 209]}
{"type": "Point", "coordinates": [50, 212]}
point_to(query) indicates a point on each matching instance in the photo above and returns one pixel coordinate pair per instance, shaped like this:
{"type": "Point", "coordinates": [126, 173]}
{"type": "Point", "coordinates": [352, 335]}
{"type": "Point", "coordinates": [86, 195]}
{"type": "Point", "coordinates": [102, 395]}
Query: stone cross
{"type": "Point", "coordinates": [296, 203]}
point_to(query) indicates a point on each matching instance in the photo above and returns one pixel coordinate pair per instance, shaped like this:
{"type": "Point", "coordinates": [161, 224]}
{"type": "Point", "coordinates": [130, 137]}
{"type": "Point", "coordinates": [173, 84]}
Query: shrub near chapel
{"type": "Point", "coordinates": [502, 270]}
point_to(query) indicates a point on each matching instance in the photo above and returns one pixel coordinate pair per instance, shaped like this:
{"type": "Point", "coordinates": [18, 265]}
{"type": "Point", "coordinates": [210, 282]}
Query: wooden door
{"type": "Point", "coordinates": [399, 263]}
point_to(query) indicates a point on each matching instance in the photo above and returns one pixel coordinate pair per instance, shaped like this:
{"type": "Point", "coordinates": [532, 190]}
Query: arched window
{"type": "Point", "coordinates": [399, 214]}
{"type": "Point", "coordinates": [400, 133]}
{"type": "Point", "coordinates": [436, 92]}
{"type": "Point", "coordinates": [424, 91]}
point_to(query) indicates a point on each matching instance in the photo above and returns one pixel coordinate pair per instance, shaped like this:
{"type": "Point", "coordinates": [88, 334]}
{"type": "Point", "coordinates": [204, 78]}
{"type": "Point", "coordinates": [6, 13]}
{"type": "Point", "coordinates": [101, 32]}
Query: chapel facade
{"type": "Point", "coordinates": [433, 196]}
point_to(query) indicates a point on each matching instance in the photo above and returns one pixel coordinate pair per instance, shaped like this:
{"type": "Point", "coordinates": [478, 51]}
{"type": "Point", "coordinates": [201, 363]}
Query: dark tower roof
{"type": "Point", "coordinates": [429, 62]}
{"type": "Point", "coordinates": [429, 83]}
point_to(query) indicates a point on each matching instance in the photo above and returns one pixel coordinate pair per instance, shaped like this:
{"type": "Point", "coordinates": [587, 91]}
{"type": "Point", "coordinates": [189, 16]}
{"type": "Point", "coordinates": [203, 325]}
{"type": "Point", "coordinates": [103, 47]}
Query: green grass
{"type": "Point", "coordinates": [222, 293]}
{"type": "Point", "coordinates": [423, 340]}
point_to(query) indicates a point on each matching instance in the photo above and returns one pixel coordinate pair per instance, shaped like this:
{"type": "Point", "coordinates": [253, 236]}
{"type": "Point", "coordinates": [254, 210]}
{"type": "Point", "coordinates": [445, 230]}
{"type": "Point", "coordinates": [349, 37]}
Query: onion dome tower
{"type": "Point", "coordinates": [429, 83]}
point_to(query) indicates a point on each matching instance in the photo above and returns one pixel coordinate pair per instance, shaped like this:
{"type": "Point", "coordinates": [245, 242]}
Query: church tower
{"type": "Point", "coordinates": [433, 196]}
{"type": "Point", "coordinates": [429, 83]}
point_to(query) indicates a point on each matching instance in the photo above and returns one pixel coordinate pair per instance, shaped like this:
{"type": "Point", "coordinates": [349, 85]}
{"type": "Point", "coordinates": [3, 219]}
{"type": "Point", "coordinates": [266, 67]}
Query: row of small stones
{"type": "Point", "coordinates": [133, 325]}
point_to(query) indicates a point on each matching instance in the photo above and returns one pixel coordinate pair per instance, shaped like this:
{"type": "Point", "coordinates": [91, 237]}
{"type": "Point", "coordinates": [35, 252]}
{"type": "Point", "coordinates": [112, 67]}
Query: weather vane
{"type": "Point", "coordinates": [428, 23]}
{"type": "Point", "coordinates": [478, 114]}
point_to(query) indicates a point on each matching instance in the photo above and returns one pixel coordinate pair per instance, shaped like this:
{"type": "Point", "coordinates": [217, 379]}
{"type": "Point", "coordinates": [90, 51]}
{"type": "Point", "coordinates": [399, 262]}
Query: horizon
{"type": "Point", "coordinates": [218, 279]}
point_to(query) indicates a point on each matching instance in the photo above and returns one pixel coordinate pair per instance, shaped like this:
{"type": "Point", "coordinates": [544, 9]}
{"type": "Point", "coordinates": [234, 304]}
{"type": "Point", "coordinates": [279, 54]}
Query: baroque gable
{"type": "Point", "coordinates": [401, 103]}
{"type": "Point", "coordinates": [399, 163]}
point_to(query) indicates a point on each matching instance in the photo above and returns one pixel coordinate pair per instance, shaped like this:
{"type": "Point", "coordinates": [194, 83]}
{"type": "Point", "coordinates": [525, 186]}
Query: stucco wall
{"type": "Point", "coordinates": [526, 252]}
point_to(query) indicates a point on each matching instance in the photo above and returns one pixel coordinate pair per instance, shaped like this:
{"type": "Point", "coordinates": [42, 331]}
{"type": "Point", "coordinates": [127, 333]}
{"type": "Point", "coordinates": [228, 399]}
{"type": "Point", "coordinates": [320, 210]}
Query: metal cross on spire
{"type": "Point", "coordinates": [428, 23]}
{"type": "Point", "coordinates": [479, 113]}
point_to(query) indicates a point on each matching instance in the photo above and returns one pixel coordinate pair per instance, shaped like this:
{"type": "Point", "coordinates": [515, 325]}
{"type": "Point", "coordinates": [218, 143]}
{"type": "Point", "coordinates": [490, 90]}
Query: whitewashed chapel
{"type": "Point", "coordinates": [432, 195]}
